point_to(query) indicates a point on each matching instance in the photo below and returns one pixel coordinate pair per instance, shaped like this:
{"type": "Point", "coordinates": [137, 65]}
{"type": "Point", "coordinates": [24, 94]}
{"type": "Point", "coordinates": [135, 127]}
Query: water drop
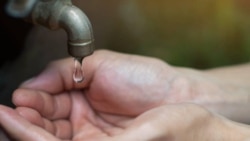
{"type": "Point", "coordinates": [78, 75]}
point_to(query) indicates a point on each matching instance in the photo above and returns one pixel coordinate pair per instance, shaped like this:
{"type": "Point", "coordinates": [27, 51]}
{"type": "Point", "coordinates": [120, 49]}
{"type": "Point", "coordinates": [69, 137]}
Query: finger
{"type": "Point", "coordinates": [31, 115]}
{"type": "Point", "coordinates": [58, 74]}
{"type": "Point", "coordinates": [59, 128]}
{"type": "Point", "coordinates": [35, 118]}
{"type": "Point", "coordinates": [20, 129]}
{"type": "Point", "coordinates": [49, 106]}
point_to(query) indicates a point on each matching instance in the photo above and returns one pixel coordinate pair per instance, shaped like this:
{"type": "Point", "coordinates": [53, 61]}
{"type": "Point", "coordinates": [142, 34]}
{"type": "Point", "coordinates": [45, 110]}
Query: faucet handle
{"type": "Point", "coordinates": [20, 8]}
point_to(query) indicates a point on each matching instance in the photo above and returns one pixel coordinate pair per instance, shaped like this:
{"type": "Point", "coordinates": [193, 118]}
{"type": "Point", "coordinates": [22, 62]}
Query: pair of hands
{"type": "Point", "coordinates": [123, 97]}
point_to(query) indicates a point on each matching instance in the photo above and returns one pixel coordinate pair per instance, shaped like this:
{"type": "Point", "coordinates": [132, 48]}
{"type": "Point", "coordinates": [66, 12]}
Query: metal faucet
{"type": "Point", "coordinates": [57, 14]}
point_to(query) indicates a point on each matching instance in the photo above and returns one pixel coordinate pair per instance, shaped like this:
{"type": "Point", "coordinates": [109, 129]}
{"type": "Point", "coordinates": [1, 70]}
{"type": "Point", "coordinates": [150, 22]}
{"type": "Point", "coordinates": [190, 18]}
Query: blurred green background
{"type": "Point", "coordinates": [194, 33]}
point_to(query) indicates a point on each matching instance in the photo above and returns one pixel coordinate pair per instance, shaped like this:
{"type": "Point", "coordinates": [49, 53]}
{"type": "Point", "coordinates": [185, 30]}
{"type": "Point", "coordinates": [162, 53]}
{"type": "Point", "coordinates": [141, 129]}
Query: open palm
{"type": "Point", "coordinates": [71, 118]}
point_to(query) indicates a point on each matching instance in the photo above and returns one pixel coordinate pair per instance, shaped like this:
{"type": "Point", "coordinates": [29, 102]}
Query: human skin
{"type": "Point", "coordinates": [223, 90]}
{"type": "Point", "coordinates": [116, 82]}
{"type": "Point", "coordinates": [174, 122]}
{"type": "Point", "coordinates": [120, 89]}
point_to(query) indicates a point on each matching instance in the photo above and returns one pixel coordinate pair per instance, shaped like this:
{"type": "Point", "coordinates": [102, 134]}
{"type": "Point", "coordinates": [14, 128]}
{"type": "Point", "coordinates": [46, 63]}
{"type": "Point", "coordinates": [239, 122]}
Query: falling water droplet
{"type": "Point", "coordinates": [78, 75]}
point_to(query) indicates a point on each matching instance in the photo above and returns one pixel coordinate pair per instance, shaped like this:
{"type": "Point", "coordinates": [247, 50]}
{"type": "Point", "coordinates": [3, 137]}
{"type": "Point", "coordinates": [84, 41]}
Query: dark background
{"type": "Point", "coordinates": [12, 36]}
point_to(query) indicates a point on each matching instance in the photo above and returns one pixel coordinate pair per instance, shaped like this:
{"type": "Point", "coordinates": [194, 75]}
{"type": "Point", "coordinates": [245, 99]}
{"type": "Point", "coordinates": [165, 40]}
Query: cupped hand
{"type": "Point", "coordinates": [118, 89]}
{"type": "Point", "coordinates": [175, 122]}
{"type": "Point", "coordinates": [128, 84]}
{"type": "Point", "coordinates": [114, 82]}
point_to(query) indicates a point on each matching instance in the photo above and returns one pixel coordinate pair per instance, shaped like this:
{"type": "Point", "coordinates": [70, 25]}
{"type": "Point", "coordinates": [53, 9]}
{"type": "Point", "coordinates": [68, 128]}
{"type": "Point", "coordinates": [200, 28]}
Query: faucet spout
{"type": "Point", "coordinates": [79, 30]}
{"type": "Point", "coordinates": [56, 14]}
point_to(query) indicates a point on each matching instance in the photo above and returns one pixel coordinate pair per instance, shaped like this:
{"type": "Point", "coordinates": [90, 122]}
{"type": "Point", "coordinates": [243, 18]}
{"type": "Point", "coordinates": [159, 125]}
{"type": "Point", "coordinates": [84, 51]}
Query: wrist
{"type": "Point", "coordinates": [217, 94]}
{"type": "Point", "coordinates": [226, 98]}
{"type": "Point", "coordinates": [220, 128]}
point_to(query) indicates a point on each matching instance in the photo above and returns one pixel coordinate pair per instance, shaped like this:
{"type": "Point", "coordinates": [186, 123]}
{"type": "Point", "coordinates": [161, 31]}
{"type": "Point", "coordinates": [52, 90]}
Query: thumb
{"type": "Point", "coordinates": [58, 75]}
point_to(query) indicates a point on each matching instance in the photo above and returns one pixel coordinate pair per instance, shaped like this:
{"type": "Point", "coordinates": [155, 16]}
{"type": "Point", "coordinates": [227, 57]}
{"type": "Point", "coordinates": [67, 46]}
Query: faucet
{"type": "Point", "coordinates": [57, 14]}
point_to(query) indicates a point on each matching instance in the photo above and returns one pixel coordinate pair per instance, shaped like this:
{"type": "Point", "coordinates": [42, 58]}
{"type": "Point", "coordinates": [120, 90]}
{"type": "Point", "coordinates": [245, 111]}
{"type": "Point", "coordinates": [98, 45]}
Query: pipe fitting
{"type": "Point", "coordinates": [57, 14]}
